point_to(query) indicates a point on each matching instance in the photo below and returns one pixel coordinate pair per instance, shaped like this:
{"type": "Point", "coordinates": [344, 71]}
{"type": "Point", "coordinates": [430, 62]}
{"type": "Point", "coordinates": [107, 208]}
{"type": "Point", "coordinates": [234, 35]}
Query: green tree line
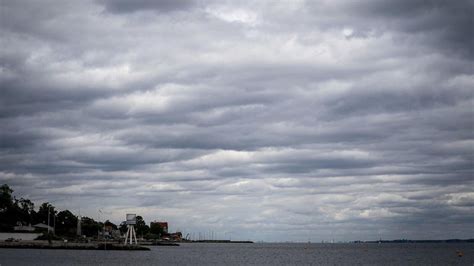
{"type": "Point", "coordinates": [14, 211]}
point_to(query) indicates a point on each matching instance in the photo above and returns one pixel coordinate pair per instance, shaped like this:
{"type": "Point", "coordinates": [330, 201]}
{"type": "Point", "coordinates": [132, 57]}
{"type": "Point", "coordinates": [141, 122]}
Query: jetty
{"type": "Point", "coordinates": [222, 241]}
{"type": "Point", "coordinates": [68, 245]}
{"type": "Point", "coordinates": [159, 243]}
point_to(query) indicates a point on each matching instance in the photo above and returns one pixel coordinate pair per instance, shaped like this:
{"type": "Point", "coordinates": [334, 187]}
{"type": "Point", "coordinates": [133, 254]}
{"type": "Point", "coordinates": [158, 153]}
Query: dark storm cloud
{"type": "Point", "coordinates": [434, 23]}
{"type": "Point", "coordinates": [288, 120]}
{"type": "Point", "coordinates": [452, 21]}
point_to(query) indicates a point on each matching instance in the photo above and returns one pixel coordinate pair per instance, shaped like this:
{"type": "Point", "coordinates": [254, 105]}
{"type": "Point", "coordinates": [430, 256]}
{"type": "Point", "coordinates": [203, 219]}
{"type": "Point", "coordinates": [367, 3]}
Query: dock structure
{"type": "Point", "coordinates": [37, 244]}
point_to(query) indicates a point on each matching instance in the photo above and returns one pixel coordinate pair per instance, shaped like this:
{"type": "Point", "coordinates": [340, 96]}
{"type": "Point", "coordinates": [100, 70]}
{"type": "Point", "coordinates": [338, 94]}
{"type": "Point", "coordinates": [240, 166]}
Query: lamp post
{"type": "Point", "coordinates": [54, 219]}
{"type": "Point", "coordinates": [99, 211]}
{"type": "Point", "coordinates": [103, 231]}
{"type": "Point", "coordinates": [48, 218]}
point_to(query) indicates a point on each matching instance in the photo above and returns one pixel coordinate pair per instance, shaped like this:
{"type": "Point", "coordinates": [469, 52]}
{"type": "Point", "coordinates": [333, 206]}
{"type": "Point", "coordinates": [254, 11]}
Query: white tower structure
{"type": "Point", "coordinates": [131, 235]}
{"type": "Point", "coordinates": [79, 231]}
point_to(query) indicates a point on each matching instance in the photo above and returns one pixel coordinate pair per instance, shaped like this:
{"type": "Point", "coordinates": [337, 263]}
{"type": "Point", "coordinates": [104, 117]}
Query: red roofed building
{"type": "Point", "coordinates": [163, 225]}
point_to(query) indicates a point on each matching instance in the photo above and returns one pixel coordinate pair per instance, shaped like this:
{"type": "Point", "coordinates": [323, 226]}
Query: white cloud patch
{"type": "Point", "coordinates": [238, 15]}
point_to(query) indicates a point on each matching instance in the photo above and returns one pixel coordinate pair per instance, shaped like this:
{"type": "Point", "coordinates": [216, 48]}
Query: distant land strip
{"type": "Point", "coordinates": [470, 240]}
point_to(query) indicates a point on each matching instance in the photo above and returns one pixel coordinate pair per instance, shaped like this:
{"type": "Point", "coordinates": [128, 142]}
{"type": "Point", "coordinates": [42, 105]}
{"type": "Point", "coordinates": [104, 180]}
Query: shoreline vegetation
{"type": "Point", "coordinates": [21, 222]}
{"type": "Point", "coordinates": [21, 216]}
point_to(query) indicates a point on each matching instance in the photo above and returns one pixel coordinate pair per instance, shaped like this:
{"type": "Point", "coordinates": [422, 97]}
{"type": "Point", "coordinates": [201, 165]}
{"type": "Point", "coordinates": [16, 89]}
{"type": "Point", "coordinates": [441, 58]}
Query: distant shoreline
{"type": "Point", "coordinates": [471, 240]}
{"type": "Point", "coordinates": [221, 241]}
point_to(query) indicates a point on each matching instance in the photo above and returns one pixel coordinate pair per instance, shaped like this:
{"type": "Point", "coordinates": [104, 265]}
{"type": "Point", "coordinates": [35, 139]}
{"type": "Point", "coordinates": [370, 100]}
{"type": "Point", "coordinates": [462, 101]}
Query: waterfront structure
{"type": "Point", "coordinates": [23, 228]}
{"type": "Point", "coordinates": [79, 229]}
{"type": "Point", "coordinates": [45, 227]}
{"type": "Point", "coordinates": [131, 235]}
{"type": "Point", "coordinates": [178, 236]}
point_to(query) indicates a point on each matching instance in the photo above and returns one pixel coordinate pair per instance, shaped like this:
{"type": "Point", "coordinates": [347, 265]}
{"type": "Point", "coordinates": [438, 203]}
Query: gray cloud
{"type": "Point", "coordinates": [264, 121]}
{"type": "Point", "coordinates": [123, 6]}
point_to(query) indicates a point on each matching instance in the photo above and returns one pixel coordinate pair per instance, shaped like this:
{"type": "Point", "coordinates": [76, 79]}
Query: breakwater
{"type": "Point", "coordinates": [221, 241]}
{"type": "Point", "coordinates": [64, 245]}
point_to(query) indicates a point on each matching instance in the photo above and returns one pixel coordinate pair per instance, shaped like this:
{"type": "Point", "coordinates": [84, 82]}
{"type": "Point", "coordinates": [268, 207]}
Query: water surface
{"type": "Point", "coordinates": [252, 254]}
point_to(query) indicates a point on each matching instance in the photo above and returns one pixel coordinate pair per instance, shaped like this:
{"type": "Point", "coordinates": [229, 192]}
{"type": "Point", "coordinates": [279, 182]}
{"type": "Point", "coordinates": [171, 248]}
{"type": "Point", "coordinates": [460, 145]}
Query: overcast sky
{"type": "Point", "coordinates": [274, 121]}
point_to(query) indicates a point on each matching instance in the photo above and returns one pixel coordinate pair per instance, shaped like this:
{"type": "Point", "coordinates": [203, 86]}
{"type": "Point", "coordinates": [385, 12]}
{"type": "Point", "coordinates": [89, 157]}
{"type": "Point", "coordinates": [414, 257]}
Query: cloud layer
{"type": "Point", "coordinates": [267, 121]}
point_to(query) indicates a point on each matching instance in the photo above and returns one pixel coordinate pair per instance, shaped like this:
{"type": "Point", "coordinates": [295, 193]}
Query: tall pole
{"type": "Point", "coordinates": [98, 229]}
{"type": "Point", "coordinates": [49, 207]}
{"type": "Point", "coordinates": [79, 233]}
{"type": "Point", "coordinates": [105, 239]}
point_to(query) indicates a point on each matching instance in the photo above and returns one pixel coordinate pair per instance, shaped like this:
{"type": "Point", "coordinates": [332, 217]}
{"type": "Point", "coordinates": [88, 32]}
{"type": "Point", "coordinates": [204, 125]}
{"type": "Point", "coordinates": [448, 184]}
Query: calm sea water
{"type": "Point", "coordinates": [252, 254]}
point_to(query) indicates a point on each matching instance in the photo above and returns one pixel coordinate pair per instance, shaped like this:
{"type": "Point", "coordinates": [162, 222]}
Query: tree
{"type": "Point", "coordinates": [141, 227]}
{"type": "Point", "coordinates": [66, 223]}
{"type": "Point", "coordinates": [6, 198]}
{"type": "Point", "coordinates": [42, 214]}
{"type": "Point", "coordinates": [26, 211]}
{"type": "Point", "coordinates": [90, 227]}
{"type": "Point", "coordinates": [9, 210]}
{"type": "Point", "coordinates": [109, 223]}
{"type": "Point", "coordinates": [123, 227]}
